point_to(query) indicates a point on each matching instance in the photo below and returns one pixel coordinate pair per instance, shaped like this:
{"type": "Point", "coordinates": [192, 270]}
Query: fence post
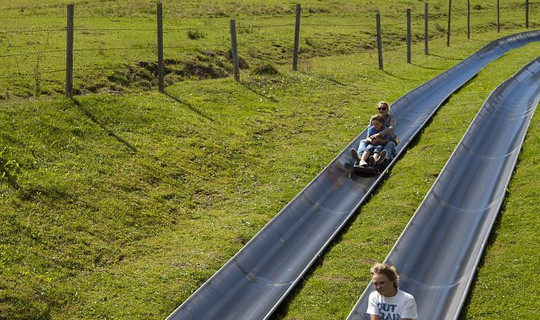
{"type": "Point", "coordinates": [498, 18]}
{"type": "Point", "coordinates": [296, 37]}
{"type": "Point", "coordinates": [408, 35]}
{"type": "Point", "coordinates": [468, 19]}
{"type": "Point", "coordinates": [161, 67]}
{"type": "Point", "coordinates": [379, 41]}
{"type": "Point", "coordinates": [426, 32]}
{"type": "Point", "coordinates": [527, 14]}
{"type": "Point", "coordinates": [234, 51]}
{"type": "Point", "coordinates": [449, 20]}
{"type": "Point", "coordinates": [69, 51]}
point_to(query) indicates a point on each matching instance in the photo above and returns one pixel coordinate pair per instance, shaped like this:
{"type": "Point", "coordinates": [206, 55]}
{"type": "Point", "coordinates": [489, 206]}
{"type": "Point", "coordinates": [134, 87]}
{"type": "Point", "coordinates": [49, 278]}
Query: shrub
{"type": "Point", "coordinates": [195, 34]}
{"type": "Point", "coordinates": [266, 69]}
{"type": "Point", "coordinates": [9, 167]}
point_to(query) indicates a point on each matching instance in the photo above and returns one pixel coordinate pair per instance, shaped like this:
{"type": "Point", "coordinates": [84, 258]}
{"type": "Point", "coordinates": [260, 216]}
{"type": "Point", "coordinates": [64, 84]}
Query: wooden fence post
{"type": "Point", "coordinates": [468, 19]}
{"type": "Point", "coordinates": [379, 40]}
{"type": "Point", "coordinates": [161, 67]}
{"type": "Point", "coordinates": [527, 14]}
{"type": "Point", "coordinates": [296, 38]}
{"type": "Point", "coordinates": [426, 31]}
{"type": "Point", "coordinates": [69, 51]}
{"type": "Point", "coordinates": [408, 35]}
{"type": "Point", "coordinates": [234, 51]}
{"type": "Point", "coordinates": [449, 20]}
{"type": "Point", "coordinates": [498, 18]}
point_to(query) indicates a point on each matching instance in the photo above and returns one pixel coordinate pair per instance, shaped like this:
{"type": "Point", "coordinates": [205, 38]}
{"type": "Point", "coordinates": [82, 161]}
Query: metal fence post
{"type": "Point", "coordinates": [426, 31]}
{"type": "Point", "coordinates": [161, 66]}
{"type": "Point", "coordinates": [69, 51]}
{"type": "Point", "coordinates": [379, 40]}
{"type": "Point", "coordinates": [296, 37]}
{"type": "Point", "coordinates": [498, 18]}
{"type": "Point", "coordinates": [468, 19]}
{"type": "Point", "coordinates": [527, 14]}
{"type": "Point", "coordinates": [449, 20]}
{"type": "Point", "coordinates": [408, 35]}
{"type": "Point", "coordinates": [234, 51]}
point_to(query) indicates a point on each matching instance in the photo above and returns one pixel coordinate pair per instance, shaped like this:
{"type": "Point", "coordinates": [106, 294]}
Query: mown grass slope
{"type": "Point", "coordinates": [121, 204]}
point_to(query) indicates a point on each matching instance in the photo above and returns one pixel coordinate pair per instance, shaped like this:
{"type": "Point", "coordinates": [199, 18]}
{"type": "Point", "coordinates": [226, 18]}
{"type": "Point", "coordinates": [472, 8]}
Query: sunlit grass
{"type": "Point", "coordinates": [123, 204]}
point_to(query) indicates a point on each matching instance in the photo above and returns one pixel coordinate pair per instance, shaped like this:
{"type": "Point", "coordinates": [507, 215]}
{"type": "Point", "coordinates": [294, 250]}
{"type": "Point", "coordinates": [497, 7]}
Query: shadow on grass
{"type": "Point", "coordinates": [11, 180]}
{"type": "Point", "coordinates": [429, 68]}
{"type": "Point", "coordinates": [96, 121]}
{"type": "Point", "coordinates": [444, 57]}
{"type": "Point", "coordinates": [327, 78]}
{"type": "Point", "coordinates": [190, 106]}
{"type": "Point", "coordinates": [395, 76]}
{"type": "Point", "coordinates": [252, 89]}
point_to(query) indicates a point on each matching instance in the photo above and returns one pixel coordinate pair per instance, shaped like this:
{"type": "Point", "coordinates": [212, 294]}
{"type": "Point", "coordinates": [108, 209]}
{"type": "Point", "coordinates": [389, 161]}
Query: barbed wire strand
{"type": "Point", "coordinates": [384, 16]}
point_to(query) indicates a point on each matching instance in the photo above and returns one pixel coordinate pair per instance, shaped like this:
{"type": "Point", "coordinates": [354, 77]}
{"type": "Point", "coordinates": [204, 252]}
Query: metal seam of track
{"type": "Point", "coordinates": [292, 241]}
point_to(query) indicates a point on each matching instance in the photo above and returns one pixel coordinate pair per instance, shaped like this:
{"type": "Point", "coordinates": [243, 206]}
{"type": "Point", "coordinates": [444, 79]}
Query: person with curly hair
{"type": "Point", "coordinates": [387, 302]}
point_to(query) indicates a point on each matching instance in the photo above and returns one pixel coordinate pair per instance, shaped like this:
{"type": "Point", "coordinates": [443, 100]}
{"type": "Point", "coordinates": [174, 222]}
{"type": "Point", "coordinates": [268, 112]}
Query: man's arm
{"type": "Point", "coordinates": [378, 140]}
{"type": "Point", "coordinates": [389, 127]}
{"type": "Point", "coordinates": [374, 317]}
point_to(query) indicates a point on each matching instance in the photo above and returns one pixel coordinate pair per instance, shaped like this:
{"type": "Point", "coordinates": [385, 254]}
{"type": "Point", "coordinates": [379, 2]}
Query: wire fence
{"type": "Point", "coordinates": [112, 53]}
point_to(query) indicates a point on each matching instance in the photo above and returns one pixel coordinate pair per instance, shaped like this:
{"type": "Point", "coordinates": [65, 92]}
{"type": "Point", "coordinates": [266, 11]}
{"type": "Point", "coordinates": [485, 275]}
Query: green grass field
{"type": "Point", "coordinates": [121, 202]}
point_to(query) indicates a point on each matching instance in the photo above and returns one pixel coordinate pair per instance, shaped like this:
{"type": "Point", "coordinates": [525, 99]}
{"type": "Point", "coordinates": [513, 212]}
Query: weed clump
{"type": "Point", "coordinates": [195, 34]}
{"type": "Point", "coordinates": [9, 167]}
{"type": "Point", "coordinates": [266, 69]}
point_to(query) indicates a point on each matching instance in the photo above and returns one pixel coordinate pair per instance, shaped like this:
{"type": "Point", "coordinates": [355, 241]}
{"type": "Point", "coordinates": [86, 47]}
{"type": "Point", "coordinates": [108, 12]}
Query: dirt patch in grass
{"type": "Point", "coordinates": [144, 74]}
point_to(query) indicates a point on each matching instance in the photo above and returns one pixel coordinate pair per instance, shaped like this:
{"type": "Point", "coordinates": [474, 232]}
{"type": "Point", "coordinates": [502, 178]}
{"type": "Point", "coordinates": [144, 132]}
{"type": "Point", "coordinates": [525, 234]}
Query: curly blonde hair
{"type": "Point", "coordinates": [377, 117]}
{"type": "Point", "coordinates": [388, 270]}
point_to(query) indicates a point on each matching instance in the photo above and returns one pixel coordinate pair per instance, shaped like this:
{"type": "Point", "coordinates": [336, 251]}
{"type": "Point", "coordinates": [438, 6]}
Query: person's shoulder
{"type": "Point", "coordinates": [374, 294]}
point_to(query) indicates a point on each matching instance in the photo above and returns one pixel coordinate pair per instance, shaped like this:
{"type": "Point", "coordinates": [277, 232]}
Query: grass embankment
{"type": "Point", "coordinates": [117, 206]}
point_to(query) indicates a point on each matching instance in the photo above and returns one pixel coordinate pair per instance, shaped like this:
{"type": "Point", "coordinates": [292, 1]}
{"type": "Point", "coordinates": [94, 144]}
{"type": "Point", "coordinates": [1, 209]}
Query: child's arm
{"type": "Point", "coordinates": [377, 140]}
{"type": "Point", "coordinates": [370, 132]}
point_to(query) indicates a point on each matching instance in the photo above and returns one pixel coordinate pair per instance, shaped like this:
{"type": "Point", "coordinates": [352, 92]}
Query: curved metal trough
{"type": "Point", "coordinates": [254, 281]}
{"type": "Point", "coordinates": [439, 250]}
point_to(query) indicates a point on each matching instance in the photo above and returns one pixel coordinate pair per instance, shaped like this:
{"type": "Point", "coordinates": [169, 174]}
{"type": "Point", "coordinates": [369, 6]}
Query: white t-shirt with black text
{"type": "Point", "coordinates": [400, 306]}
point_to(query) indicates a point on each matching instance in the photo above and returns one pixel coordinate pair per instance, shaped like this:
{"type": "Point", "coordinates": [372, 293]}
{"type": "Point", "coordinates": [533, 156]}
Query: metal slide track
{"type": "Point", "coordinates": [439, 250]}
{"type": "Point", "coordinates": [258, 277]}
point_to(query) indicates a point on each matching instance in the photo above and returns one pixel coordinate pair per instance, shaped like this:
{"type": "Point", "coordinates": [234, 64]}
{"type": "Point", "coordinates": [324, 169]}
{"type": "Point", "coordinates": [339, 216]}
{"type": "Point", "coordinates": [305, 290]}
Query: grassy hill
{"type": "Point", "coordinates": [121, 202]}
